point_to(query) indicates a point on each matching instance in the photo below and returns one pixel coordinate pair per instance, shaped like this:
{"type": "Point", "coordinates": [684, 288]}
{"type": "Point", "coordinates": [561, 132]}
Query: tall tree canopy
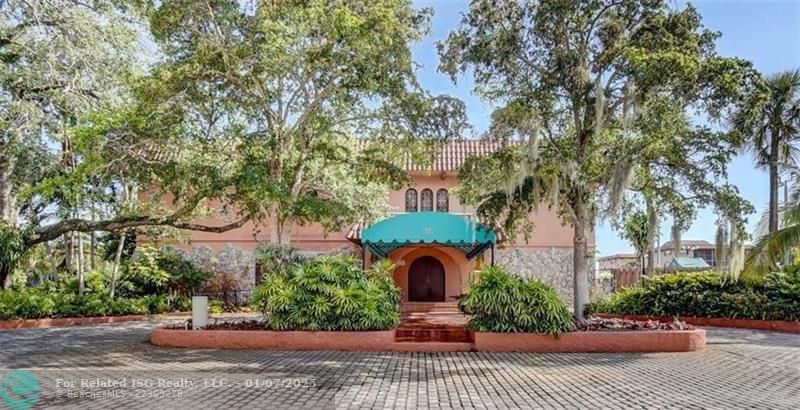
{"type": "Point", "coordinates": [59, 59]}
{"type": "Point", "coordinates": [292, 84]}
{"type": "Point", "coordinates": [43, 92]}
{"type": "Point", "coordinates": [571, 79]}
{"type": "Point", "coordinates": [252, 110]}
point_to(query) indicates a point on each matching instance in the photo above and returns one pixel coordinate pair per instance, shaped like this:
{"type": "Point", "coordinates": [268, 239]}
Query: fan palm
{"type": "Point", "coordinates": [773, 126]}
{"type": "Point", "coordinates": [770, 251]}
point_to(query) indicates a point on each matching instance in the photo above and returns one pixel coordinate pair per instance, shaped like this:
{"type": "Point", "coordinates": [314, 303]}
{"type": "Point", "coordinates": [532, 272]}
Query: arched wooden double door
{"type": "Point", "coordinates": [426, 280]}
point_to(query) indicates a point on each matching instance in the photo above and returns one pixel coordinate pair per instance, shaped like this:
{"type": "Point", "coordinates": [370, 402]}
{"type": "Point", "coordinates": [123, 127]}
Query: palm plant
{"type": "Point", "coordinates": [636, 230]}
{"type": "Point", "coordinates": [506, 303]}
{"type": "Point", "coordinates": [773, 125]}
{"type": "Point", "coordinates": [771, 250]}
{"type": "Point", "coordinates": [330, 293]}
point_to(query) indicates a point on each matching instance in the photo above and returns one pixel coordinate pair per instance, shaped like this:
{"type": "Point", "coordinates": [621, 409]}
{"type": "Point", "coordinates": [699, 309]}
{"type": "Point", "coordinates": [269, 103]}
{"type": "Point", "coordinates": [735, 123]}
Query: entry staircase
{"type": "Point", "coordinates": [431, 327]}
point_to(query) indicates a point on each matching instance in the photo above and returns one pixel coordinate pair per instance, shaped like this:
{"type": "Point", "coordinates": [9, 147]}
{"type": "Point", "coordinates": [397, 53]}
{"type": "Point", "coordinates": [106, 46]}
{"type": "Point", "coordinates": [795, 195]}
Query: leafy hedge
{"type": "Point", "coordinates": [35, 303]}
{"type": "Point", "coordinates": [705, 294]}
{"type": "Point", "coordinates": [330, 293]}
{"type": "Point", "coordinates": [154, 271]}
{"type": "Point", "coordinates": [501, 302]}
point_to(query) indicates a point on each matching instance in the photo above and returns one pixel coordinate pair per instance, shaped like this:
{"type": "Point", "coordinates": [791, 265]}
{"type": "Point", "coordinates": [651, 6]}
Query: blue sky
{"type": "Point", "coordinates": [765, 32]}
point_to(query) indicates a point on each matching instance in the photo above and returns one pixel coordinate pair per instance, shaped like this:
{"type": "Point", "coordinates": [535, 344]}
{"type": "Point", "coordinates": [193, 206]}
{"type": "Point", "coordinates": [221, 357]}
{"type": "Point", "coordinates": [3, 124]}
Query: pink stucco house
{"type": "Point", "coordinates": [428, 268]}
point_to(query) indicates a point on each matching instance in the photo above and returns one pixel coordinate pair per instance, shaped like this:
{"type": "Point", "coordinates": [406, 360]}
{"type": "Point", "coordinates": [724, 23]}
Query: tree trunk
{"type": "Point", "coordinates": [5, 276]}
{"type": "Point", "coordinates": [6, 204]}
{"type": "Point", "coordinates": [81, 276]}
{"type": "Point", "coordinates": [675, 237]}
{"type": "Point", "coordinates": [51, 254]}
{"type": "Point", "coordinates": [6, 201]}
{"type": "Point", "coordinates": [773, 182]}
{"type": "Point", "coordinates": [68, 246]}
{"type": "Point", "coordinates": [117, 259]}
{"type": "Point", "coordinates": [652, 231]}
{"type": "Point", "coordinates": [580, 263]}
{"type": "Point", "coordinates": [734, 252]}
{"type": "Point", "coordinates": [93, 242]}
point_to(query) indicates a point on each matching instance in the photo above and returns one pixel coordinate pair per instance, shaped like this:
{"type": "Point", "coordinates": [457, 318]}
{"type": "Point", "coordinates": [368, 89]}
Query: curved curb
{"type": "Point", "coordinates": [627, 341]}
{"type": "Point", "coordinates": [755, 324]}
{"type": "Point", "coordinates": [272, 339]}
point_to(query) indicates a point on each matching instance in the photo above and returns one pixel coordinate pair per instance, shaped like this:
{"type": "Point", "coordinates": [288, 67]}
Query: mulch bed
{"type": "Point", "coordinates": [755, 324]}
{"type": "Point", "coordinates": [598, 324]}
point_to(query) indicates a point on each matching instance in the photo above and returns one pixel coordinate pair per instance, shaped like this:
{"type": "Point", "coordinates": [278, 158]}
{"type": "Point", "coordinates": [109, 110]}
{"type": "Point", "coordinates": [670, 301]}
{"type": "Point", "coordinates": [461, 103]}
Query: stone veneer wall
{"type": "Point", "coordinates": [230, 260]}
{"type": "Point", "coordinates": [241, 264]}
{"type": "Point", "coordinates": [553, 267]}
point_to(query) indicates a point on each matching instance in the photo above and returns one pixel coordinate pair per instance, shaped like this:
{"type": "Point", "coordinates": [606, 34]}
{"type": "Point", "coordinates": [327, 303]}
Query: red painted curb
{"type": "Point", "coordinates": [272, 339]}
{"type": "Point", "coordinates": [67, 321]}
{"type": "Point", "coordinates": [609, 341]}
{"type": "Point", "coordinates": [774, 325]}
{"type": "Point", "coordinates": [626, 341]}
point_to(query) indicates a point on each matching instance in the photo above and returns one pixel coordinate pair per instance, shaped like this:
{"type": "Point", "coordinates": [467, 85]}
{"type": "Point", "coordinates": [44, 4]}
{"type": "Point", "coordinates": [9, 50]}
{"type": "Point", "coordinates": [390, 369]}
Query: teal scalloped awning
{"type": "Point", "coordinates": [439, 228]}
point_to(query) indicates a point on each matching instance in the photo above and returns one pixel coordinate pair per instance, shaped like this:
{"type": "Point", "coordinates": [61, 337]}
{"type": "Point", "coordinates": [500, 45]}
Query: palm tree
{"type": "Point", "coordinates": [772, 126]}
{"type": "Point", "coordinates": [770, 251]}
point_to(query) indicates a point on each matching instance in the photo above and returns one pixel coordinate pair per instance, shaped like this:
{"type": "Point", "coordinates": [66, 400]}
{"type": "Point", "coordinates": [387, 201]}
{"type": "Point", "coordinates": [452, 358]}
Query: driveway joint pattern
{"type": "Point", "coordinates": [738, 369]}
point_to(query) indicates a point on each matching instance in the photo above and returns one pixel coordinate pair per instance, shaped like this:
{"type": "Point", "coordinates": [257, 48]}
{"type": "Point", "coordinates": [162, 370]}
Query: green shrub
{"type": "Point", "coordinates": [145, 273]}
{"type": "Point", "coordinates": [277, 258]}
{"type": "Point", "coordinates": [330, 293]}
{"type": "Point", "coordinates": [180, 303]}
{"type": "Point", "coordinates": [184, 277]}
{"type": "Point", "coordinates": [42, 302]}
{"type": "Point", "coordinates": [216, 306]}
{"type": "Point", "coordinates": [12, 249]}
{"type": "Point", "coordinates": [502, 302]}
{"type": "Point", "coordinates": [93, 282]}
{"type": "Point", "coordinates": [157, 271]}
{"type": "Point", "coordinates": [776, 297]}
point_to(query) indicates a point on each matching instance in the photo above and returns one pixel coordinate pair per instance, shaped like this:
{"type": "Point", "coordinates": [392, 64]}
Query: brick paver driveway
{"type": "Point", "coordinates": [113, 366]}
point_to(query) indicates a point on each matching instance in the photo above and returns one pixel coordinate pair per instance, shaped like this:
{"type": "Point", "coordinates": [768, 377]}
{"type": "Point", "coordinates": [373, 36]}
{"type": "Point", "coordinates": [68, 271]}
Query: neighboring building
{"type": "Point", "coordinates": [617, 261]}
{"type": "Point", "coordinates": [434, 241]}
{"type": "Point", "coordinates": [688, 263]}
{"type": "Point", "coordinates": [704, 250]}
{"type": "Point", "coordinates": [688, 249]}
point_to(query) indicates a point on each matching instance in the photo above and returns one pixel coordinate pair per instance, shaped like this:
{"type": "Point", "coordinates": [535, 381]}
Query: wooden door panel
{"type": "Point", "coordinates": [426, 280]}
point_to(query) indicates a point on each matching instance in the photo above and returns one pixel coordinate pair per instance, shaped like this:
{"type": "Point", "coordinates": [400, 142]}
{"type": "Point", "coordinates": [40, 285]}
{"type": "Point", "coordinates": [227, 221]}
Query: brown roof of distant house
{"type": "Point", "coordinates": [695, 243]}
{"type": "Point", "coordinates": [617, 256]}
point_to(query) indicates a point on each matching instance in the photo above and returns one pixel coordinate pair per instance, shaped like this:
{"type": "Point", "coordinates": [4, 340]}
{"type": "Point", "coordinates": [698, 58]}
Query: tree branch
{"type": "Point", "coordinates": [51, 232]}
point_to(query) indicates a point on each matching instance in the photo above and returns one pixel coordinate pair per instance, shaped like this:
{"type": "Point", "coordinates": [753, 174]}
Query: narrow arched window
{"type": "Point", "coordinates": [411, 200]}
{"type": "Point", "coordinates": [442, 201]}
{"type": "Point", "coordinates": [426, 202]}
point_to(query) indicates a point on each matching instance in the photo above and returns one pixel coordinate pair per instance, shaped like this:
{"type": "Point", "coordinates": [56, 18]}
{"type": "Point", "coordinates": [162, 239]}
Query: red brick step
{"type": "Point", "coordinates": [433, 323]}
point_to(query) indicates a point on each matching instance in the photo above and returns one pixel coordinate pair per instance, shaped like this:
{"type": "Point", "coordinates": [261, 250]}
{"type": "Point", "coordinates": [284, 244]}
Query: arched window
{"type": "Point", "coordinates": [426, 202]}
{"type": "Point", "coordinates": [411, 200]}
{"type": "Point", "coordinates": [442, 201]}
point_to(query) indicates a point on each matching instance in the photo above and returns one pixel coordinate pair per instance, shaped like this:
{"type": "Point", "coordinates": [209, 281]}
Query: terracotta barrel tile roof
{"type": "Point", "coordinates": [451, 156]}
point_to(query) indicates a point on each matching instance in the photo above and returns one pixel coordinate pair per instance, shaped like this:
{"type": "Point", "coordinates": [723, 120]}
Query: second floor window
{"type": "Point", "coordinates": [426, 202]}
{"type": "Point", "coordinates": [411, 200]}
{"type": "Point", "coordinates": [442, 201]}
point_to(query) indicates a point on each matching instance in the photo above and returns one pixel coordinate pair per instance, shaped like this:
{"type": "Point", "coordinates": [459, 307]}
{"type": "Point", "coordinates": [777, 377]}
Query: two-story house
{"type": "Point", "coordinates": [435, 242]}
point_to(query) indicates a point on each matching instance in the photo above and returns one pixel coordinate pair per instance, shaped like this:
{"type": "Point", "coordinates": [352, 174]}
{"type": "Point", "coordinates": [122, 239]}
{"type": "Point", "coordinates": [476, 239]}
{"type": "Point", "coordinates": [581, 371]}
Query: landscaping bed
{"type": "Point", "coordinates": [67, 321]}
{"type": "Point", "coordinates": [506, 313]}
{"type": "Point", "coordinates": [706, 299]}
{"type": "Point", "coordinates": [600, 335]}
{"type": "Point", "coordinates": [595, 335]}
{"type": "Point", "coordinates": [755, 324]}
